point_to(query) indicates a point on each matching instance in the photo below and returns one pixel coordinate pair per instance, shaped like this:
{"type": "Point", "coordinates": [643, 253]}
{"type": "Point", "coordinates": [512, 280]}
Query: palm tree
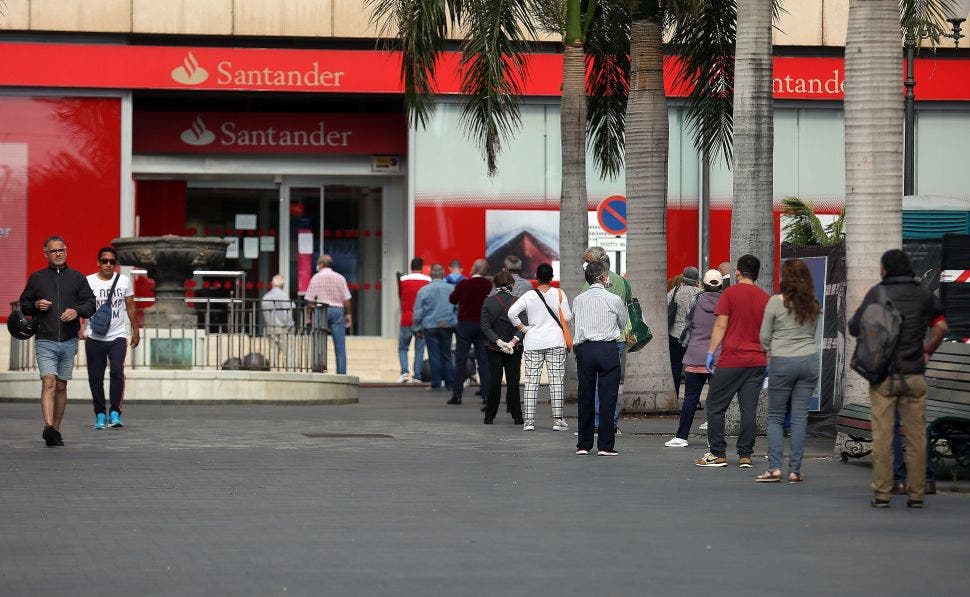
{"type": "Point", "coordinates": [702, 36]}
{"type": "Point", "coordinates": [752, 223]}
{"type": "Point", "coordinates": [805, 227]}
{"type": "Point", "coordinates": [874, 139]}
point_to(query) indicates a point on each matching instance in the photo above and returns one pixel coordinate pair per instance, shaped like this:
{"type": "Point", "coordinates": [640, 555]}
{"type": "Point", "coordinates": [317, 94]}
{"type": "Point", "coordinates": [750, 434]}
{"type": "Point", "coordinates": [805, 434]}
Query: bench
{"type": "Point", "coordinates": [947, 410]}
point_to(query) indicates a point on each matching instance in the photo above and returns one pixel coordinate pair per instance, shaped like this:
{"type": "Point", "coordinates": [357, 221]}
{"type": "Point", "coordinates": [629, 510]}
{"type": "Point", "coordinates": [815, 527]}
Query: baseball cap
{"type": "Point", "coordinates": [712, 278]}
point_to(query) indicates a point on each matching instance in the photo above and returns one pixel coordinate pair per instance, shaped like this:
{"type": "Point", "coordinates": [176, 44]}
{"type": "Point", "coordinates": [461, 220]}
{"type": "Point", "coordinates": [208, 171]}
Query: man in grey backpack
{"type": "Point", "coordinates": [905, 386]}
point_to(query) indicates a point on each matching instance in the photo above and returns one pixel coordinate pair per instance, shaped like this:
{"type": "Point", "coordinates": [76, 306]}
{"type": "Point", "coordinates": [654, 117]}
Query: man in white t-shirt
{"type": "Point", "coordinates": [112, 347]}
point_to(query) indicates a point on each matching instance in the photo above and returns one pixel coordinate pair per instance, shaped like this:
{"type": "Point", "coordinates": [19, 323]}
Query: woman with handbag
{"type": "Point", "coordinates": [695, 336]}
{"type": "Point", "coordinates": [504, 349]}
{"type": "Point", "coordinates": [547, 339]}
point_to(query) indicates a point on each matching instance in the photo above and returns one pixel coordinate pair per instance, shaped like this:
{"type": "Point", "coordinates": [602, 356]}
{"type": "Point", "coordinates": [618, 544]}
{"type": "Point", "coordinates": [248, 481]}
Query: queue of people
{"type": "Point", "coordinates": [723, 330]}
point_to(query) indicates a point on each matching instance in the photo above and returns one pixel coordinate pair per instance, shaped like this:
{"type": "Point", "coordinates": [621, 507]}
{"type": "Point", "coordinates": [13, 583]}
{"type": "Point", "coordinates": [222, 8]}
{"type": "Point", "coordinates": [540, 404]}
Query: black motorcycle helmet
{"type": "Point", "coordinates": [20, 327]}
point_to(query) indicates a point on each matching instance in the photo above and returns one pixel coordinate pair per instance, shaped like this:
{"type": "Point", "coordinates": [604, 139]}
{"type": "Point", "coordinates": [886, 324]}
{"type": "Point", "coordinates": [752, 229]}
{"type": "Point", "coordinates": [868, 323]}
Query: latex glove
{"type": "Point", "coordinates": [505, 346]}
{"type": "Point", "coordinates": [525, 329]}
{"type": "Point", "coordinates": [709, 362]}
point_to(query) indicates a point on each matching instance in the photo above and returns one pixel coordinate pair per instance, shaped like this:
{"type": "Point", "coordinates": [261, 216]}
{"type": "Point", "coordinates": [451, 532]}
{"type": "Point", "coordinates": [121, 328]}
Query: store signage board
{"type": "Point", "coordinates": [268, 133]}
{"type": "Point", "coordinates": [103, 66]}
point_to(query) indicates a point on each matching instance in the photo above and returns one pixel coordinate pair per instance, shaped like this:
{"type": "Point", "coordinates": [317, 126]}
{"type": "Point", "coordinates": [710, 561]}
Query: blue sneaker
{"type": "Point", "coordinates": [115, 419]}
{"type": "Point", "coordinates": [99, 421]}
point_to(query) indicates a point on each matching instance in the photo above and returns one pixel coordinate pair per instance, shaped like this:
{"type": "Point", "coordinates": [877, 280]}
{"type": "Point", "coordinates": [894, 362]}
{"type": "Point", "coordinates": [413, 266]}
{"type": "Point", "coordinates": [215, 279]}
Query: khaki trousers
{"type": "Point", "coordinates": [908, 394]}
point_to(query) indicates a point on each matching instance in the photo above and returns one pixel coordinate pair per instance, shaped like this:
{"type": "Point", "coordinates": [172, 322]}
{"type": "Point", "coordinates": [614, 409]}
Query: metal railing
{"type": "Point", "coordinates": [229, 334]}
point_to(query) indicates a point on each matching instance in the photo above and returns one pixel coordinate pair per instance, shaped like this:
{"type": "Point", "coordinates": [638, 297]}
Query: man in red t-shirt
{"type": "Point", "coordinates": [740, 366]}
{"type": "Point", "coordinates": [408, 286]}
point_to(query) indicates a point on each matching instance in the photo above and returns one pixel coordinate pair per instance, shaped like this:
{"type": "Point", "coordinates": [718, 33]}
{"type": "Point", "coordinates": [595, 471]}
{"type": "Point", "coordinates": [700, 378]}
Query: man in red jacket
{"type": "Point", "coordinates": [407, 287]}
{"type": "Point", "coordinates": [469, 295]}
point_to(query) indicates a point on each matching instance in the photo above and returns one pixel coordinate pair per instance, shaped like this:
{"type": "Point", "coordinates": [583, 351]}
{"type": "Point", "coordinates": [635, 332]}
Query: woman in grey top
{"type": "Point", "coordinates": [788, 334]}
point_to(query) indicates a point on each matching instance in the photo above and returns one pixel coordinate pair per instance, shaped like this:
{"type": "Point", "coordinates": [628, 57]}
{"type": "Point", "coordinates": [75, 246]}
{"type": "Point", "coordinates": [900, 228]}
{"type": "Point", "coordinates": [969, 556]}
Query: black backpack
{"type": "Point", "coordinates": [672, 309]}
{"type": "Point", "coordinates": [879, 329]}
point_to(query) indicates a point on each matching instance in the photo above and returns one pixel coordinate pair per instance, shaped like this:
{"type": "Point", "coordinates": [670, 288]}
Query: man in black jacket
{"type": "Point", "coordinates": [56, 296]}
{"type": "Point", "coordinates": [905, 388]}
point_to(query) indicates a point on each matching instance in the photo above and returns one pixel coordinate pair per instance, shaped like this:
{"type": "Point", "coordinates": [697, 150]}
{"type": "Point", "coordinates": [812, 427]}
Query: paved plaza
{"type": "Point", "coordinates": [422, 499]}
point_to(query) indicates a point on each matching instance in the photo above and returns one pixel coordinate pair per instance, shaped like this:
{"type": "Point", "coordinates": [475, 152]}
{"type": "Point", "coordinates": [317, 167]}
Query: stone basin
{"type": "Point", "coordinates": [170, 261]}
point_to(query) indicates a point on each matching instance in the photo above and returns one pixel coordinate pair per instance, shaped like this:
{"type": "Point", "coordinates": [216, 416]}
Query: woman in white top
{"type": "Point", "coordinates": [544, 343]}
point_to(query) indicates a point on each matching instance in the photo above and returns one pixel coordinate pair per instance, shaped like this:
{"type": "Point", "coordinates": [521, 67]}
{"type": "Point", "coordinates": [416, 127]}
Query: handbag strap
{"type": "Point", "coordinates": [546, 305]}
{"type": "Point", "coordinates": [111, 293]}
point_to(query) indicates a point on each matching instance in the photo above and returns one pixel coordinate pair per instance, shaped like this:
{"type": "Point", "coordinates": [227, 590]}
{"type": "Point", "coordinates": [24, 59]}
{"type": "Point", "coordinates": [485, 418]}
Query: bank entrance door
{"type": "Point", "coordinates": [343, 221]}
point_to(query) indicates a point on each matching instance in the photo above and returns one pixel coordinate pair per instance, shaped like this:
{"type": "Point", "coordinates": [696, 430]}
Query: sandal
{"type": "Point", "coordinates": [769, 476]}
{"type": "Point", "coordinates": [794, 478]}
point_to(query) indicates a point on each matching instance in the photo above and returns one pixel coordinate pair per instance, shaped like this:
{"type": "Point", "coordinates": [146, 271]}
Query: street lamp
{"type": "Point", "coordinates": [959, 10]}
{"type": "Point", "coordinates": [956, 17]}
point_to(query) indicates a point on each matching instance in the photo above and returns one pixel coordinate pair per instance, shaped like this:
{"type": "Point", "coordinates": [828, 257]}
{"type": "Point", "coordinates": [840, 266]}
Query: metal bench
{"type": "Point", "coordinates": [947, 410]}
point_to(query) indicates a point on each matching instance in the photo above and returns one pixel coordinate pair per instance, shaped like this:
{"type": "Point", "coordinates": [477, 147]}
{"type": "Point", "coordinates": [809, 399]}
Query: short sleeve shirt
{"type": "Point", "coordinates": [744, 305]}
{"type": "Point", "coordinates": [119, 317]}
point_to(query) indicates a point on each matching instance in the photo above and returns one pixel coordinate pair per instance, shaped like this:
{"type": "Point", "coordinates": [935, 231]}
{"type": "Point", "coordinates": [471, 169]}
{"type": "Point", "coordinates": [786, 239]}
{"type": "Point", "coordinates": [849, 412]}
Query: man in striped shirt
{"type": "Point", "coordinates": [600, 318]}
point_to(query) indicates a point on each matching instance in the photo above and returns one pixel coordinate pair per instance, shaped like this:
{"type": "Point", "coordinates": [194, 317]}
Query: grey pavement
{"type": "Point", "coordinates": [264, 500]}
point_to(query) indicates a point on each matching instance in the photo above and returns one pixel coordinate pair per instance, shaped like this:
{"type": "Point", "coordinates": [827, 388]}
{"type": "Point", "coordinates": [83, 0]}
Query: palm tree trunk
{"type": "Point", "coordinates": [649, 386]}
{"type": "Point", "coordinates": [573, 224]}
{"type": "Point", "coordinates": [752, 220]}
{"type": "Point", "coordinates": [873, 152]}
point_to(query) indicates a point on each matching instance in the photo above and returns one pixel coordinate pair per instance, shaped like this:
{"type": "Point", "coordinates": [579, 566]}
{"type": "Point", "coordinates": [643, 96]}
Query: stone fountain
{"type": "Point", "coordinates": [170, 260]}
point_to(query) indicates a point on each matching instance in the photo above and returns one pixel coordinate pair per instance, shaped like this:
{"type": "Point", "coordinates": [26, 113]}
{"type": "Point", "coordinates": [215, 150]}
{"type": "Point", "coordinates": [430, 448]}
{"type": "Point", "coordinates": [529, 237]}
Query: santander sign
{"type": "Point", "coordinates": [232, 133]}
{"type": "Point", "coordinates": [191, 72]}
{"type": "Point", "coordinates": [268, 133]}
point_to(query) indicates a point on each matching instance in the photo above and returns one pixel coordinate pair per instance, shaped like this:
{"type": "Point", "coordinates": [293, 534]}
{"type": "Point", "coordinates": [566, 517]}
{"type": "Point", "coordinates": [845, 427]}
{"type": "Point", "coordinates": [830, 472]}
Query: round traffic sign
{"type": "Point", "coordinates": [611, 214]}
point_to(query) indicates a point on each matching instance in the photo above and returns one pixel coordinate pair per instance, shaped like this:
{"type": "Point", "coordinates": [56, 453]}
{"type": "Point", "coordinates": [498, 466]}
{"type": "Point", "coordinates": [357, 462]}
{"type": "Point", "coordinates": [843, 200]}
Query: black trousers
{"type": "Point", "coordinates": [746, 382]}
{"type": "Point", "coordinates": [511, 364]}
{"type": "Point", "coordinates": [468, 336]}
{"type": "Point", "coordinates": [598, 364]}
{"type": "Point", "coordinates": [99, 354]}
{"type": "Point", "coordinates": [677, 353]}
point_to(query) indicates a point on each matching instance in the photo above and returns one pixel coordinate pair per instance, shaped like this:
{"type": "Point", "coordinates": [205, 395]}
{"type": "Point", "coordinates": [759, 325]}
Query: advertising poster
{"type": "Point", "coordinates": [530, 235]}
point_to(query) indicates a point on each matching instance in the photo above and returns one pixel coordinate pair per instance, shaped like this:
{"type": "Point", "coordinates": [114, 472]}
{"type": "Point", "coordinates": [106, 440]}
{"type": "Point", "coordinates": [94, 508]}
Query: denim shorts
{"type": "Point", "coordinates": [56, 358]}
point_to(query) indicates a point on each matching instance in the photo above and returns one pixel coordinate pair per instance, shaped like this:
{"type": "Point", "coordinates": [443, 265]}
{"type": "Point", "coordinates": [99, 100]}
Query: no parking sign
{"type": "Point", "coordinates": [611, 214]}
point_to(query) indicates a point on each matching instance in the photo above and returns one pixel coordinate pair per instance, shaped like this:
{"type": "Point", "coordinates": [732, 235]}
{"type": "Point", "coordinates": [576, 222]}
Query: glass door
{"type": "Point", "coordinates": [343, 221]}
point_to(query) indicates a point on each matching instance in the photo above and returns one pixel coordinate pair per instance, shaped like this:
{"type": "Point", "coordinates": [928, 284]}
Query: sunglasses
{"type": "Point", "coordinates": [55, 251]}
{"type": "Point", "coordinates": [108, 261]}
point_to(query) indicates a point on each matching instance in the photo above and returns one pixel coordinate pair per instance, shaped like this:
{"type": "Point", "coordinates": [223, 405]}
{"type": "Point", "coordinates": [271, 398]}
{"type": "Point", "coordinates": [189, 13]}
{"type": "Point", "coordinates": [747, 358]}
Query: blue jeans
{"type": "Point", "coordinates": [469, 335]}
{"type": "Point", "coordinates": [403, 342]}
{"type": "Point", "coordinates": [621, 347]}
{"type": "Point", "coordinates": [791, 379]}
{"type": "Point", "coordinates": [439, 355]}
{"type": "Point", "coordinates": [56, 358]}
{"type": "Point", "coordinates": [335, 321]}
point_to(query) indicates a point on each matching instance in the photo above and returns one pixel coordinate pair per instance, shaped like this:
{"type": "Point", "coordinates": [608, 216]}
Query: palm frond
{"type": "Point", "coordinates": [704, 41]}
{"type": "Point", "coordinates": [804, 226]}
{"type": "Point", "coordinates": [419, 30]}
{"type": "Point", "coordinates": [494, 68]}
{"type": "Point", "coordinates": [607, 86]}
{"type": "Point", "coordinates": [925, 19]}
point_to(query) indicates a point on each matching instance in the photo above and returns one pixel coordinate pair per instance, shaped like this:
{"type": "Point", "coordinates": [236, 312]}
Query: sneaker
{"type": "Point", "coordinates": [711, 460]}
{"type": "Point", "coordinates": [617, 432]}
{"type": "Point", "coordinates": [676, 443]}
{"type": "Point", "coordinates": [877, 503]}
{"type": "Point", "coordinates": [582, 452]}
{"type": "Point", "coordinates": [99, 421]}
{"type": "Point", "coordinates": [51, 436]}
{"type": "Point", "coordinates": [529, 426]}
{"type": "Point", "coordinates": [560, 425]}
{"type": "Point", "coordinates": [404, 378]}
{"type": "Point", "coordinates": [454, 400]}
{"type": "Point", "coordinates": [703, 427]}
{"type": "Point", "coordinates": [115, 420]}
{"type": "Point", "coordinates": [416, 380]}
{"type": "Point", "coordinates": [607, 453]}
{"type": "Point", "coordinates": [744, 462]}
